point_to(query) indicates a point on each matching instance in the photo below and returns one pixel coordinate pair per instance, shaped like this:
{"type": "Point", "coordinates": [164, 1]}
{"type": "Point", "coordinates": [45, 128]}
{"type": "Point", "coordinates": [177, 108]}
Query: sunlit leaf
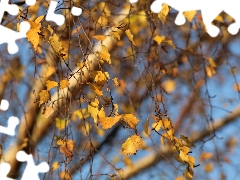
{"type": "Point", "coordinates": [210, 71]}
{"type": "Point", "coordinates": [115, 80]}
{"type": "Point", "coordinates": [44, 96]}
{"type": "Point", "coordinates": [115, 34]}
{"type": "Point", "coordinates": [159, 39]}
{"type": "Point", "coordinates": [47, 111]}
{"type": "Point", "coordinates": [157, 126]}
{"type": "Point", "coordinates": [146, 125]}
{"type": "Point", "coordinates": [205, 156]}
{"type": "Point", "coordinates": [169, 85]}
{"type": "Point", "coordinates": [55, 166]}
{"type": "Point", "coordinates": [80, 113]}
{"type": "Point", "coordinates": [33, 33]}
{"type": "Point", "coordinates": [93, 109]}
{"type": "Point", "coordinates": [65, 175]}
{"type": "Point", "coordinates": [56, 45]}
{"type": "Point", "coordinates": [163, 14]}
{"type": "Point", "coordinates": [131, 145]}
{"type": "Point", "coordinates": [131, 120]}
{"type": "Point", "coordinates": [100, 77]}
{"type": "Point", "coordinates": [50, 29]}
{"type": "Point", "coordinates": [188, 174]}
{"type": "Point", "coordinates": [186, 140]}
{"type": "Point", "coordinates": [108, 122]}
{"type": "Point", "coordinates": [104, 54]}
{"type": "Point", "coordinates": [61, 123]}
{"type": "Point", "coordinates": [96, 88]}
{"type": "Point", "coordinates": [39, 19]}
{"type": "Point", "coordinates": [99, 37]}
{"type": "Point", "coordinates": [51, 84]}
{"type": "Point", "coordinates": [64, 84]}
{"type": "Point", "coordinates": [50, 71]}
{"type": "Point", "coordinates": [208, 167]}
{"type": "Point", "coordinates": [212, 62]}
{"type": "Point", "coordinates": [130, 36]}
{"type": "Point", "coordinates": [190, 15]}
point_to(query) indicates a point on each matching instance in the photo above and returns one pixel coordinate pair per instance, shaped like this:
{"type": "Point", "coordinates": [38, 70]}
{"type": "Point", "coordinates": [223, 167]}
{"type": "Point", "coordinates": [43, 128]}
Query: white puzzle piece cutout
{"type": "Point", "coordinates": [76, 11]}
{"type": "Point", "coordinates": [7, 35]}
{"type": "Point", "coordinates": [4, 105]}
{"type": "Point", "coordinates": [51, 16]}
{"type": "Point", "coordinates": [210, 9]}
{"type": "Point", "coordinates": [12, 121]}
{"type": "Point", "coordinates": [4, 170]}
{"type": "Point", "coordinates": [31, 171]}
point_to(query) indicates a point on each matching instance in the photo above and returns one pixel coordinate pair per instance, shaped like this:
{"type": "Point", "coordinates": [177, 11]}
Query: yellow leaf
{"type": "Point", "coordinates": [61, 123]}
{"type": "Point", "coordinates": [130, 36]}
{"type": "Point", "coordinates": [210, 71]}
{"type": "Point", "coordinates": [44, 96]}
{"type": "Point", "coordinates": [166, 123]}
{"type": "Point", "coordinates": [93, 109]}
{"type": "Point", "coordinates": [186, 140]}
{"type": "Point", "coordinates": [56, 45]}
{"type": "Point", "coordinates": [183, 156]}
{"type": "Point", "coordinates": [212, 62]}
{"type": "Point", "coordinates": [39, 19]}
{"type": "Point", "coordinates": [191, 161]}
{"type": "Point", "coordinates": [64, 84]}
{"type": "Point", "coordinates": [157, 126]}
{"type": "Point", "coordinates": [127, 161]}
{"type": "Point", "coordinates": [169, 86]}
{"type": "Point", "coordinates": [159, 39]}
{"type": "Point", "coordinates": [115, 34]}
{"type": "Point", "coordinates": [100, 77]}
{"type": "Point", "coordinates": [104, 54]}
{"type": "Point", "coordinates": [51, 84]}
{"type": "Point", "coordinates": [80, 113]}
{"type": "Point", "coordinates": [131, 120]}
{"type": "Point", "coordinates": [169, 134]}
{"type": "Point", "coordinates": [190, 15]}
{"type": "Point", "coordinates": [219, 18]}
{"type": "Point", "coordinates": [50, 29]}
{"type": "Point", "coordinates": [108, 122]}
{"type": "Point", "coordinates": [205, 156]}
{"type": "Point", "coordinates": [32, 34]}
{"type": "Point", "coordinates": [101, 113]}
{"type": "Point", "coordinates": [65, 175]}
{"type": "Point", "coordinates": [163, 14]}
{"type": "Point", "coordinates": [236, 86]}
{"type": "Point", "coordinates": [131, 145]}
{"type": "Point", "coordinates": [55, 166]}
{"type": "Point", "coordinates": [47, 111]}
{"type": "Point", "coordinates": [170, 43]}
{"type": "Point", "coordinates": [188, 174]}
{"type": "Point", "coordinates": [179, 178]}
{"type": "Point", "coordinates": [162, 140]}
{"type": "Point", "coordinates": [146, 125]}
{"type": "Point", "coordinates": [50, 71]}
{"type": "Point", "coordinates": [115, 80]}
{"type": "Point", "coordinates": [96, 88]}
{"type": "Point", "coordinates": [208, 167]}
{"type": "Point", "coordinates": [99, 37]}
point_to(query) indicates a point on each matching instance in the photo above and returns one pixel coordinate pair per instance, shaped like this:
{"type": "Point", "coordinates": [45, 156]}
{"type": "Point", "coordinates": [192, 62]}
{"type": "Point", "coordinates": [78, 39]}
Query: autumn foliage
{"type": "Point", "coordinates": [120, 90]}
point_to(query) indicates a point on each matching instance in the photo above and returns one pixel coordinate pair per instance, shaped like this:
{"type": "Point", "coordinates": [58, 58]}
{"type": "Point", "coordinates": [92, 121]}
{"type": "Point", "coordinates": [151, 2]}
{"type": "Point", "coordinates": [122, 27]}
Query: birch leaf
{"type": "Point", "coordinates": [131, 145]}
{"type": "Point", "coordinates": [51, 84]}
{"type": "Point", "coordinates": [108, 122]}
{"type": "Point", "coordinates": [131, 120]}
{"type": "Point", "coordinates": [130, 36]}
{"type": "Point", "coordinates": [44, 96]}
